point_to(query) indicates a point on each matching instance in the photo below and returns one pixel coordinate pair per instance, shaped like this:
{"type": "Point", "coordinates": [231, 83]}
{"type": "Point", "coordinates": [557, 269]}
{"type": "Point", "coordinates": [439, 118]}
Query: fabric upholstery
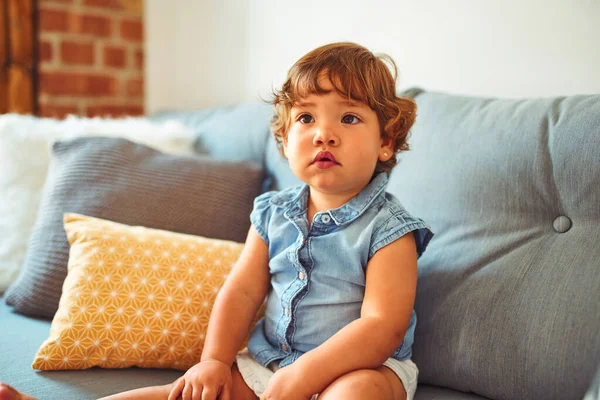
{"type": "Point", "coordinates": [25, 143]}
{"type": "Point", "coordinates": [22, 336]}
{"type": "Point", "coordinates": [237, 132]}
{"type": "Point", "coordinates": [425, 392]}
{"type": "Point", "coordinates": [129, 183]}
{"type": "Point", "coordinates": [594, 391]}
{"type": "Point", "coordinates": [134, 296]}
{"type": "Point", "coordinates": [507, 301]}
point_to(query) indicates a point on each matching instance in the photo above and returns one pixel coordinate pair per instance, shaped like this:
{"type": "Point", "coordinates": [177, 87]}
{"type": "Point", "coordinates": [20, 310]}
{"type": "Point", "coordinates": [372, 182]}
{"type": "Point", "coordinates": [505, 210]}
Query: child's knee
{"type": "Point", "coordinates": [361, 384]}
{"type": "Point", "coordinates": [166, 389]}
{"type": "Point", "coordinates": [6, 392]}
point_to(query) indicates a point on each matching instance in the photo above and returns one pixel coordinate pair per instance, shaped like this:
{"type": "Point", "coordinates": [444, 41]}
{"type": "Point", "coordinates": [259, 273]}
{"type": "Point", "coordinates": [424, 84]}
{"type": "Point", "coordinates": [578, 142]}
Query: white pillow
{"type": "Point", "coordinates": [25, 143]}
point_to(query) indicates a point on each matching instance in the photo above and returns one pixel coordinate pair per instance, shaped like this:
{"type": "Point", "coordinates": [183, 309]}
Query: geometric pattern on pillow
{"type": "Point", "coordinates": [134, 296]}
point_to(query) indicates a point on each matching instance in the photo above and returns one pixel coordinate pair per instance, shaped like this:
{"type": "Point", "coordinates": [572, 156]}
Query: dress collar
{"type": "Point", "coordinates": [294, 201]}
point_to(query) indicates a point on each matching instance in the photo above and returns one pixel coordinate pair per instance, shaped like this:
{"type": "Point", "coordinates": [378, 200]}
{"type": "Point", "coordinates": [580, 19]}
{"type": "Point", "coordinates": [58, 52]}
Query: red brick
{"type": "Point", "coordinates": [114, 111]}
{"type": "Point", "coordinates": [96, 25]}
{"type": "Point", "coordinates": [135, 87]}
{"type": "Point", "coordinates": [64, 21]}
{"type": "Point", "coordinates": [78, 84]}
{"type": "Point", "coordinates": [45, 51]}
{"type": "Point", "coordinates": [130, 6]}
{"type": "Point", "coordinates": [111, 4]}
{"type": "Point", "coordinates": [57, 111]}
{"type": "Point", "coordinates": [132, 30]}
{"type": "Point", "coordinates": [77, 53]}
{"type": "Point", "coordinates": [139, 59]}
{"type": "Point", "coordinates": [114, 57]}
{"type": "Point", "coordinates": [53, 20]}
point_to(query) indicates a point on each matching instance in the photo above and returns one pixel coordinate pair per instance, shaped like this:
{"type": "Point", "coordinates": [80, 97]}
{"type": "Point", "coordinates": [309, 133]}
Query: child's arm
{"type": "Point", "coordinates": [391, 283]}
{"type": "Point", "coordinates": [238, 301]}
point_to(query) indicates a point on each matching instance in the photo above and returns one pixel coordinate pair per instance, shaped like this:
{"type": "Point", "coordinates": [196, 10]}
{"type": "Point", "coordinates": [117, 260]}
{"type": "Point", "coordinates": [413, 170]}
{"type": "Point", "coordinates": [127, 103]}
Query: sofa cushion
{"type": "Point", "coordinates": [594, 391]}
{"type": "Point", "coordinates": [133, 184]}
{"type": "Point", "coordinates": [25, 143]}
{"type": "Point", "coordinates": [237, 132]}
{"type": "Point", "coordinates": [425, 392]}
{"type": "Point", "coordinates": [134, 296]}
{"type": "Point", "coordinates": [507, 299]}
{"type": "Point", "coordinates": [21, 337]}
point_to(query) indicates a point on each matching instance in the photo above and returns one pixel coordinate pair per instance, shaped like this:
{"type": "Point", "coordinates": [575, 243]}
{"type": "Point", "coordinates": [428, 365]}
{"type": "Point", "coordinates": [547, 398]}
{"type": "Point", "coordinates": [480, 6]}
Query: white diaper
{"type": "Point", "coordinates": [257, 377]}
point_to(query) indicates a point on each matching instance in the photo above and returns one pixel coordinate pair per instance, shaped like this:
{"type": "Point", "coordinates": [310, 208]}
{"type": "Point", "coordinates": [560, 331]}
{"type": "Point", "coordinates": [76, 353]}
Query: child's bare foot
{"type": "Point", "coordinates": [9, 393]}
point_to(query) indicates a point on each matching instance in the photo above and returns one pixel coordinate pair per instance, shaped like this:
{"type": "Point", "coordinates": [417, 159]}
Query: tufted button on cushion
{"type": "Point", "coordinates": [562, 224]}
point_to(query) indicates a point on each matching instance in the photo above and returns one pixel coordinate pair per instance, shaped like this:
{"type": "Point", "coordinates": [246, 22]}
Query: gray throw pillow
{"type": "Point", "coordinates": [130, 183]}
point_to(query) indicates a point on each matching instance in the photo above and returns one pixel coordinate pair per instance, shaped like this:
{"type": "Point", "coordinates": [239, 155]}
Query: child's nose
{"type": "Point", "coordinates": [325, 135]}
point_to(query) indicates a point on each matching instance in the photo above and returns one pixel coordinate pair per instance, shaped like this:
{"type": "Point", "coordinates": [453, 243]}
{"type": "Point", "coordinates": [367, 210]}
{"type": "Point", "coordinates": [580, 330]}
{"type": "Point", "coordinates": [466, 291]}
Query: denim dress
{"type": "Point", "coordinates": [318, 275]}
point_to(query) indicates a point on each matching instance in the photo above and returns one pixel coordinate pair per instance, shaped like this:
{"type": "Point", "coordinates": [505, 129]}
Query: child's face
{"type": "Point", "coordinates": [349, 132]}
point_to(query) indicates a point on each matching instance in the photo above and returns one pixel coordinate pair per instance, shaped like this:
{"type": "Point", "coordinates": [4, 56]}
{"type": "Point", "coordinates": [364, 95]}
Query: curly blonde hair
{"type": "Point", "coordinates": [356, 73]}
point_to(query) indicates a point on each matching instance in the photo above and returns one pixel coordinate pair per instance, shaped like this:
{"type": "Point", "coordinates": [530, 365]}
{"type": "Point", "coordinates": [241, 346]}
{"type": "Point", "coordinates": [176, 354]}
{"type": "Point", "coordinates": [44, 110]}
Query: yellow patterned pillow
{"type": "Point", "coordinates": [134, 296]}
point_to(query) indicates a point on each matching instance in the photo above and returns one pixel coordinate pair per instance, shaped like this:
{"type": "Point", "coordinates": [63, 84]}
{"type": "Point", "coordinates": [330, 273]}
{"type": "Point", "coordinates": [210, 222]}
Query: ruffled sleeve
{"type": "Point", "coordinates": [395, 225]}
{"type": "Point", "coordinates": [261, 214]}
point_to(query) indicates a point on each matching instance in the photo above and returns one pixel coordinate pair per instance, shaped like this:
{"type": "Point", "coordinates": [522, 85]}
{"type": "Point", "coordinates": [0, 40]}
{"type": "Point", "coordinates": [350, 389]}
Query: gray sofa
{"type": "Point", "coordinates": [508, 300]}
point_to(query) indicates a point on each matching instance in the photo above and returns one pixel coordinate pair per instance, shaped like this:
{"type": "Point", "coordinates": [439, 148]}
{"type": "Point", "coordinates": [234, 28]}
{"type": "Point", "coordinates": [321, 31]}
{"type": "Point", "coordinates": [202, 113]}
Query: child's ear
{"type": "Point", "coordinates": [387, 149]}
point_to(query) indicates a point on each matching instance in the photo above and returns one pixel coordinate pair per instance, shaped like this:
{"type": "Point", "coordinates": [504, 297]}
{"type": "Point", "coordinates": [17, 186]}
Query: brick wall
{"type": "Point", "coordinates": [91, 57]}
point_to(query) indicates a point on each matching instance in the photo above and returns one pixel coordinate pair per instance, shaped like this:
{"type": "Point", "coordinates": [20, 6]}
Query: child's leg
{"type": "Point", "coordinates": [149, 393]}
{"type": "Point", "coordinates": [154, 392]}
{"type": "Point", "coordinates": [9, 393]}
{"type": "Point", "coordinates": [239, 390]}
{"type": "Point", "coordinates": [380, 383]}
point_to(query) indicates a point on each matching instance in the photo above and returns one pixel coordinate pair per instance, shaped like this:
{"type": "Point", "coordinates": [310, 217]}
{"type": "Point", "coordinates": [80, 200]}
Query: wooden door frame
{"type": "Point", "coordinates": [19, 56]}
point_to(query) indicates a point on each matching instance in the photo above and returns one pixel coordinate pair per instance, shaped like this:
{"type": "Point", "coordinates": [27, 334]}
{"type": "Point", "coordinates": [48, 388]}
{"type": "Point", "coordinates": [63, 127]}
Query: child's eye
{"type": "Point", "coordinates": [305, 118]}
{"type": "Point", "coordinates": [350, 119]}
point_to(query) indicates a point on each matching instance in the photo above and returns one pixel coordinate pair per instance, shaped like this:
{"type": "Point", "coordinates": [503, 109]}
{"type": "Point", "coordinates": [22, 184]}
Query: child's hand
{"type": "Point", "coordinates": [207, 380]}
{"type": "Point", "coordinates": [286, 383]}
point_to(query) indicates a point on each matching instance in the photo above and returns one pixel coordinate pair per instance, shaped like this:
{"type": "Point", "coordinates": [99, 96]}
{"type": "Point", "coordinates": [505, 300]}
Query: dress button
{"type": "Point", "coordinates": [302, 276]}
{"type": "Point", "coordinates": [287, 312]}
{"type": "Point", "coordinates": [325, 218]}
{"type": "Point", "coordinates": [284, 347]}
{"type": "Point", "coordinates": [562, 224]}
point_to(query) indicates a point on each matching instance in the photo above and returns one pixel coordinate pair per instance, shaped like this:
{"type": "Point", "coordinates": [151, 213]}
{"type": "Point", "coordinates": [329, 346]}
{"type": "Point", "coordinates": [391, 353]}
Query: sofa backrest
{"type": "Point", "coordinates": [237, 132]}
{"type": "Point", "coordinates": [508, 303]}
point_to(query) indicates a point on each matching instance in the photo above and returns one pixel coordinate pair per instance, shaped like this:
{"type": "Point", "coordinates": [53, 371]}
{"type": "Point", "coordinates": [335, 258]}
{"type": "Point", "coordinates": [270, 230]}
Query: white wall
{"type": "Point", "coordinates": [203, 53]}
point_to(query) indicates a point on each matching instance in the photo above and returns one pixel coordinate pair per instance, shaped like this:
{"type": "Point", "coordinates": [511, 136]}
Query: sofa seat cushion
{"type": "Point", "coordinates": [426, 392]}
{"type": "Point", "coordinates": [21, 337]}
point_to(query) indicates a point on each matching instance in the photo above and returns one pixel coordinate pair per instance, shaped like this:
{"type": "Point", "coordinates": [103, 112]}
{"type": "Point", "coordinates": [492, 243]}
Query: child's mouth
{"type": "Point", "coordinates": [324, 160]}
{"type": "Point", "coordinates": [325, 164]}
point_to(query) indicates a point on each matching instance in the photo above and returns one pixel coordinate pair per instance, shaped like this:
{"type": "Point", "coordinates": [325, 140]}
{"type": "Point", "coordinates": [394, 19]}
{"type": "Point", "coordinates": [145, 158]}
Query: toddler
{"type": "Point", "coordinates": [336, 257]}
